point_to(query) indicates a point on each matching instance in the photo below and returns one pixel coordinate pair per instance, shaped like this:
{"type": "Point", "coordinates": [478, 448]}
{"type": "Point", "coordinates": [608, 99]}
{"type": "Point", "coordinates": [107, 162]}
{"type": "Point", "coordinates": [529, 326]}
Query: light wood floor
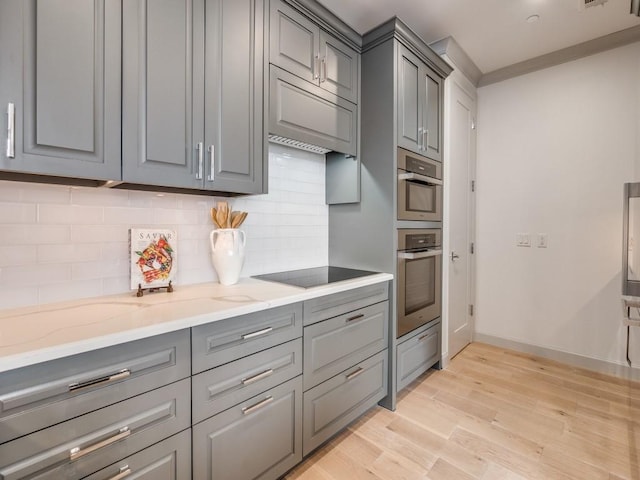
{"type": "Point", "coordinates": [493, 414]}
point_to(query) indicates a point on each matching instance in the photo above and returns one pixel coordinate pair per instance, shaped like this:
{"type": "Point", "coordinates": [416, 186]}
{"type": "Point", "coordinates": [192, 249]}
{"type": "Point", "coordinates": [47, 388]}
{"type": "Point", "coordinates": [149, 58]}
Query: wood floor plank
{"type": "Point", "coordinates": [493, 414]}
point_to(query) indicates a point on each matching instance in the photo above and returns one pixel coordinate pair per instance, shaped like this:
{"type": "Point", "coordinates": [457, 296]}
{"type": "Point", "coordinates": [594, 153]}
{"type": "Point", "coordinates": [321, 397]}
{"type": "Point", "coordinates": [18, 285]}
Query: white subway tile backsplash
{"type": "Point", "coordinates": [52, 214]}
{"type": "Point", "coordinates": [60, 243]}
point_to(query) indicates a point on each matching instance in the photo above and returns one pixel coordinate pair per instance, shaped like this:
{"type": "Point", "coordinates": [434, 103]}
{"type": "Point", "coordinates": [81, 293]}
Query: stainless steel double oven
{"type": "Point", "coordinates": [419, 263]}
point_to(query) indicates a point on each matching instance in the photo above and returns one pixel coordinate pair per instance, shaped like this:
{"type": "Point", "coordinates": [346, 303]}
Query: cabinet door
{"type": "Point", "coordinates": [233, 95]}
{"type": "Point", "coordinates": [339, 68]}
{"type": "Point", "coordinates": [432, 123]}
{"type": "Point", "coordinates": [294, 42]}
{"type": "Point", "coordinates": [159, 143]}
{"type": "Point", "coordinates": [167, 460]}
{"type": "Point", "coordinates": [60, 63]}
{"type": "Point", "coordinates": [416, 355]}
{"type": "Point", "coordinates": [257, 439]}
{"type": "Point", "coordinates": [411, 91]}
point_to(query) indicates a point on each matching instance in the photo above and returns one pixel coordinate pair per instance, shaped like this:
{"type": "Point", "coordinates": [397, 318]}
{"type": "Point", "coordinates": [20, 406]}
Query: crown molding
{"type": "Point", "coordinates": [463, 62]}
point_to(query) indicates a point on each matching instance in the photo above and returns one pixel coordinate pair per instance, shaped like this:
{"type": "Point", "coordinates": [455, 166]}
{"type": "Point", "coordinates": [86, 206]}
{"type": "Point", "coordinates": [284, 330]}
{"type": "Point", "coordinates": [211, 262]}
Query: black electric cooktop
{"type": "Point", "coordinates": [314, 277]}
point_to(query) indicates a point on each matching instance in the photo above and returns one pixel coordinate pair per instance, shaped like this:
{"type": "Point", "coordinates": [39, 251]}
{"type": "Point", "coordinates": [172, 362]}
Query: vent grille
{"type": "Point", "coordinates": [297, 144]}
{"type": "Point", "coordinates": [591, 3]}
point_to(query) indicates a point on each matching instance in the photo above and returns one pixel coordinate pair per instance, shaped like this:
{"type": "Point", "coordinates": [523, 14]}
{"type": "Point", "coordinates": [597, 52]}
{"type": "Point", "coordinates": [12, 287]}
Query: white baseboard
{"type": "Point", "coordinates": [601, 366]}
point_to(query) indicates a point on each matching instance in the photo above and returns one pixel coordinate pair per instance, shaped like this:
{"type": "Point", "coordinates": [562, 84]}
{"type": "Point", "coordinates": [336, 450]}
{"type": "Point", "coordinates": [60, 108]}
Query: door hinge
{"type": "Point", "coordinates": [471, 310]}
{"type": "Point", "coordinates": [473, 185]}
{"type": "Point", "coordinates": [472, 248]}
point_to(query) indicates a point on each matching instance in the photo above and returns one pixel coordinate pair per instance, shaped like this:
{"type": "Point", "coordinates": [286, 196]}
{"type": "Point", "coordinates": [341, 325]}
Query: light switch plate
{"type": "Point", "coordinates": [543, 240]}
{"type": "Point", "coordinates": [523, 240]}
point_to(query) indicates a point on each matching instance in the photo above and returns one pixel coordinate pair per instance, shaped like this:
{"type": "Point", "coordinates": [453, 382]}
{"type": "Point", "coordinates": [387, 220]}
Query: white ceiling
{"type": "Point", "coordinates": [494, 33]}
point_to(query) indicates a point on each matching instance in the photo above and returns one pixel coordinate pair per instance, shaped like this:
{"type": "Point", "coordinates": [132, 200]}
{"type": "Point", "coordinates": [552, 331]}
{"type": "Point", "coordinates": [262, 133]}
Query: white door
{"type": "Point", "coordinates": [462, 148]}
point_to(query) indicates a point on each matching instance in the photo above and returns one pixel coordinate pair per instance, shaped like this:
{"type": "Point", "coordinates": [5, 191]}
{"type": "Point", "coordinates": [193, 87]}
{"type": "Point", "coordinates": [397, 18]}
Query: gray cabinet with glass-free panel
{"type": "Point", "coordinates": [60, 88]}
{"type": "Point", "coordinates": [186, 67]}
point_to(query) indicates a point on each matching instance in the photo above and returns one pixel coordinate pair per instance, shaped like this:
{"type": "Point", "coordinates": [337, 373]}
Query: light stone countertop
{"type": "Point", "coordinates": [45, 332]}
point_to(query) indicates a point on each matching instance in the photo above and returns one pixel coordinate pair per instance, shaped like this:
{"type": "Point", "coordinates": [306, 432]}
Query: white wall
{"type": "Point", "coordinates": [59, 243]}
{"type": "Point", "coordinates": [554, 149]}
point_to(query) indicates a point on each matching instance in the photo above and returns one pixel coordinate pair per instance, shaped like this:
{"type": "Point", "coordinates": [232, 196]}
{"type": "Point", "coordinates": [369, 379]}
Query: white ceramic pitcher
{"type": "Point", "coordinates": [227, 253]}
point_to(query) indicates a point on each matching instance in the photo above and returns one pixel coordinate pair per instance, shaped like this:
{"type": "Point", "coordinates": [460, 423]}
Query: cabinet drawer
{"type": "Point", "coordinates": [81, 446]}
{"type": "Point", "coordinates": [332, 405]}
{"type": "Point", "coordinates": [167, 460]}
{"type": "Point", "coordinates": [34, 397]}
{"type": "Point", "coordinates": [225, 386]}
{"type": "Point", "coordinates": [259, 439]}
{"type": "Point", "coordinates": [418, 354]}
{"type": "Point", "coordinates": [334, 345]}
{"type": "Point", "coordinates": [321, 308]}
{"type": "Point", "coordinates": [222, 342]}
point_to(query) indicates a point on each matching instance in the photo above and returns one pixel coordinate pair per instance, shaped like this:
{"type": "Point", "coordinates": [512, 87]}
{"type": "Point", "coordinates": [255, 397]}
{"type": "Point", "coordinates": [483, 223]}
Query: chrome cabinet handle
{"type": "Point", "coordinates": [354, 318]}
{"type": "Point", "coordinates": [454, 256]}
{"type": "Point", "coordinates": [264, 331]}
{"type": "Point", "coordinates": [257, 406]}
{"type": "Point", "coordinates": [419, 255]}
{"type": "Point", "coordinates": [78, 452]}
{"type": "Point", "coordinates": [11, 130]}
{"type": "Point", "coordinates": [125, 372]}
{"type": "Point", "coordinates": [124, 472]}
{"type": "Point", "coordinates": [420, 139]}
{"type": "Point", "coordinates": [424, 336]}
{"type": "Point", "coordinates": [316, 67]}
{"type": "Point", "coordinates": [255, 378]}
{"type": "Point", "coordinates": [323, 70]}
{"type": "Point", "coordinates": [419, 178]}
{"type": "Point", "coordinates": [212, 158]}
{"type": "Point", "coordinates": [200, 161]}
{"type": "Point", "coordinates": [425, 139]}
{"type": "Point", "coordinates": [355, 373]}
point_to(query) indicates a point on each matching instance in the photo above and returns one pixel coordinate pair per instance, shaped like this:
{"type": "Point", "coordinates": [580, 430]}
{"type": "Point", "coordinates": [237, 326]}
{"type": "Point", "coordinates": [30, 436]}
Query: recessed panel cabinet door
{"type": "Point", "coordinates": [434, 98]}
{"type": "Point", "coordinates": [410, 99]}
{"type": "Point", "coordinates": [234, 137]}
{"type": "Point", "coordinates": [339, 68]}
{"type": "Point", "coordinates": [160, 146]}
{"type": "Point", "coordinates": [60, 87]}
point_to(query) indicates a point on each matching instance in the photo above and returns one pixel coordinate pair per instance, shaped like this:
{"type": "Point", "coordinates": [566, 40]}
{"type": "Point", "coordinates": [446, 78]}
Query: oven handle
{"type": "Point", "coordinates": [418, 255]}
{"type": "Point", "coordinates": [419, 178]}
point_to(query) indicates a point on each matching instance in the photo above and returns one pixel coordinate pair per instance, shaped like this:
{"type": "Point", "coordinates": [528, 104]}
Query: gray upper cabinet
{"type": "Point", "coordinates": [60, 87]}
{"type": "Point", "coordinates": [299, 46]}
{"type": "Point", "coordinates": [179, 83]}
{"type": "Point", "coordinates": [420, 93]}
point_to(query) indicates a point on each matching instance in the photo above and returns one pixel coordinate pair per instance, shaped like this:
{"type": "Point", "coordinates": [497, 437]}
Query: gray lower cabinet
{"type": "Point", "coordinates": [336, 344]}
{"type": "Point", "coordinates": [223, 387]}
{"type": "Point", "coordinates": [169, 459]}
{"type": "Point", "coordinates": [334, 404]}
{"type": "Point", "coordinates": [85, 444]}
{"type": "Point", "coordinates": [418, 353]}
{"type": "Point", "coordinates": [217, 343]}
{"type": "Point", "coordinates": [37, 396]}
{"type": "Point", "coordinates": [186, 67]}
{"type": "Point", "coordinates": [60, 88]}
{"type": "Point", "coordinates": [260, 438]}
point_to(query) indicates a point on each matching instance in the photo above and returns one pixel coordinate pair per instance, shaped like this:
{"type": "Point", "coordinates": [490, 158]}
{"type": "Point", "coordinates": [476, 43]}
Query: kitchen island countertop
{"type": "Point", "coordinates": [45, 332]}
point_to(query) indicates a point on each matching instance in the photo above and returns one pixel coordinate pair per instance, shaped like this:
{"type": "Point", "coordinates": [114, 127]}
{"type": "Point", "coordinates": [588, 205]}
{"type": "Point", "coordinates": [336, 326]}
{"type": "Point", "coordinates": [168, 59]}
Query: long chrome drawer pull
{"type": "Point", "coordinates": [354, 374]}
{"type": "Point", "coordinates": [260, 404]}
{"type": "Point", "coordinates": [212, 163]}
{"type": "Point", "coordinates": [424, 336]}
{"type": "Point", "coordinates": [200, 161]}
{"type": "Point", "coordinates": [419, 255]}
{"type": "Point", "coordinates": [124, 472]}
{"type": "Point", "coordinates": [124, 373]}
{"type": "Point", "coordinates": [11, 130]}
{"type": "Point", "coordinates": [419, 178]}
{"type": "Point", "coordinates": [77, 452]}
{"type": "Point", "coordinates": [355, 317]}
{"type": "Point", "coordinates": [259, 376]}
{"type": "Point", "coordinates": [264, 331]}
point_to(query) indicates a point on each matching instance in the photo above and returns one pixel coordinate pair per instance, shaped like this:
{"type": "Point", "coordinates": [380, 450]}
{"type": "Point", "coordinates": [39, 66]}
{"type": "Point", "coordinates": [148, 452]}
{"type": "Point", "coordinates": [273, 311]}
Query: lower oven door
{"type": "Point", "coordinates": [419, 289]}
